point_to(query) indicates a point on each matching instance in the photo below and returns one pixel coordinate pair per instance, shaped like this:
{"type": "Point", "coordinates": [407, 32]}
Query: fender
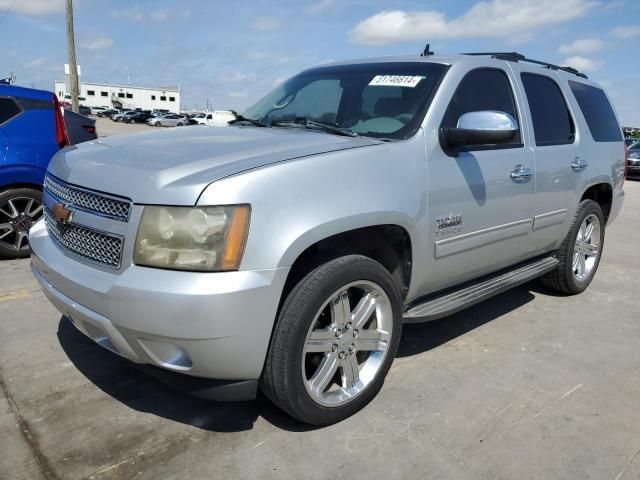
{"type": "Point", "coordinates": [21, 175]}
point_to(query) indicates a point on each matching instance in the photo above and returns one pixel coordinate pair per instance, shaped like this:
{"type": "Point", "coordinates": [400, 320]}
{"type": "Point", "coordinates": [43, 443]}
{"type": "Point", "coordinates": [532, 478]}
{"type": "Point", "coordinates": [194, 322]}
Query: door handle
{"type": "Point", "coordinates": [579, 164]}
{"type": "Point", "coordinates": [521, 174]}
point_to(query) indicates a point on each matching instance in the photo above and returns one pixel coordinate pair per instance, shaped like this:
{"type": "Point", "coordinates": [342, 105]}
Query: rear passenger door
{"type": "Point", "coordinates": [560, 160]}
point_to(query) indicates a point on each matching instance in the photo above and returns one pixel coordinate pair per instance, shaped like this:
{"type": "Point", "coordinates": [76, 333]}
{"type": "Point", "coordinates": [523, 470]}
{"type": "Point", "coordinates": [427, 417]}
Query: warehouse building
{"type": "Point", "coordinates": [123, 96]}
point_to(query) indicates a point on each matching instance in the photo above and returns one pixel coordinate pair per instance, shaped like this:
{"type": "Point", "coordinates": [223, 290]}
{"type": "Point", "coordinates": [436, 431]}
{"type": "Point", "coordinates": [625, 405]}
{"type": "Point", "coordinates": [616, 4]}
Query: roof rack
{"type": "Point", "coordinates": [518, 57]}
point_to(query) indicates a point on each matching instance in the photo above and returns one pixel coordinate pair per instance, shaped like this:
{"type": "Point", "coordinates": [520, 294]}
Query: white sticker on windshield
{"type": "Point", "coordinates": [396, 81]}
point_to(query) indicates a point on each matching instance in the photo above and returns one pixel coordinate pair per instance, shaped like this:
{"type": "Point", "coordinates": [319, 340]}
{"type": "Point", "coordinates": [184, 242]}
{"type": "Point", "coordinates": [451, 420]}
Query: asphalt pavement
{"type": "Point", "coordinates": [527, 385]}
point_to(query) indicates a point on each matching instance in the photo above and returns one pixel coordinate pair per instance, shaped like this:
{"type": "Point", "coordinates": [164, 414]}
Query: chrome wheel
{"type": "Point", "coordinates": [347, 343]}
{"type": "Point", "coordinates": [587, 248]}
{"type": "Point", "coordinates": [16, 217]}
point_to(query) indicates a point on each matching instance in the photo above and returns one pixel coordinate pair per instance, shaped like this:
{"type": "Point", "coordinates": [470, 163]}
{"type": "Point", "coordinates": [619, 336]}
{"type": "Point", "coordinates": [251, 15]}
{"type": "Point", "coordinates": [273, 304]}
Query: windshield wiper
{"type": "Point", "coordinates": [242, 118]}
{"type": "Point", "coordinates": [305, 122]}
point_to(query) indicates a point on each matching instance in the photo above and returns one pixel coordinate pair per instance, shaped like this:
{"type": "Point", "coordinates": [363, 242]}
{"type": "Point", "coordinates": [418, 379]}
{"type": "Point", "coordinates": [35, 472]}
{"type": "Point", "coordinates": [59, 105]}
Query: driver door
{"type": "Point", "coordinates": [480, 196]}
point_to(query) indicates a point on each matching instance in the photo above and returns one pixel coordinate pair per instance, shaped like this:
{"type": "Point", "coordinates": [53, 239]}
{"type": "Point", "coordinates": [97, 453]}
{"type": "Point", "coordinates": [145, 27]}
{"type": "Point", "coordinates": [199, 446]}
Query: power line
{"type": "Point", "coordinates": [7, 11]}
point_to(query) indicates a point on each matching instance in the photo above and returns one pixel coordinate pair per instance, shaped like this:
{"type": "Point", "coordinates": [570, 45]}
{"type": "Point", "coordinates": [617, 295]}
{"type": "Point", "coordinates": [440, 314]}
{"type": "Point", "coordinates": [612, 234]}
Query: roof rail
{"type": "Point", "coordinates": [518, 57]}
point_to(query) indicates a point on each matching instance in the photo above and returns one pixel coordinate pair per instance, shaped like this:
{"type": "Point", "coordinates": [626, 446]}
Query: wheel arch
{"type": "Point", "coordinates": [600, 192]}
{"type": "Point", "coordinates": [390, 243]}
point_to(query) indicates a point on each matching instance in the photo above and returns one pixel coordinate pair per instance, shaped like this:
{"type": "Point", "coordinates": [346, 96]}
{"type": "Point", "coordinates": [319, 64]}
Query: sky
{"type": "Point", "coordinates": [232, 53]}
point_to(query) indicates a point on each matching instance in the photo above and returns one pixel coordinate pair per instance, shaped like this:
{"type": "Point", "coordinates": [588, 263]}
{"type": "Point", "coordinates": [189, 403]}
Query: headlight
{"type": "Point", "coordinates": [185, 238]}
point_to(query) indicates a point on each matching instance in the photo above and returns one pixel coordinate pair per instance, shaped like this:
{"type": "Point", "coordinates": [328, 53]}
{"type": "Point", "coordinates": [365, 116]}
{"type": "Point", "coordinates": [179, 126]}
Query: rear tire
{"type": "Point", "coordinates": [580, 252]}
{"type": "Point", "coordinates": [334, 341]}
{"type": "Point", "coordinates": [157, 124]}
{"type": "Point", "coordinates": [19, 209]}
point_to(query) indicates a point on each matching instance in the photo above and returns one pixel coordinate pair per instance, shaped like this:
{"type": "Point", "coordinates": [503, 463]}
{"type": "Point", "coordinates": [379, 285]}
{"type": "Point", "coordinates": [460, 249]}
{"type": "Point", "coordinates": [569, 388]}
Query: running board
{"type": "Point", "coordinates": [450, 302]}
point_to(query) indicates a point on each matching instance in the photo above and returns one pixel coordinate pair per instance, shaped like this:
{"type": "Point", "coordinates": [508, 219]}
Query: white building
{"type": "Point", "coordinates": [123, 96]}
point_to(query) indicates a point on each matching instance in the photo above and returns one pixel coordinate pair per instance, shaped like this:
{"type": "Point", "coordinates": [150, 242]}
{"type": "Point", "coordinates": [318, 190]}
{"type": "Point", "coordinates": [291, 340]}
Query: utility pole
{"type": "Point", "coordinates": [73, 66]}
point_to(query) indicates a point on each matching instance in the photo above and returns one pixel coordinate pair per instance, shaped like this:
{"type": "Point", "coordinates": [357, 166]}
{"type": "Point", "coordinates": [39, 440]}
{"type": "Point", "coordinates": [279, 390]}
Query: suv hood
{"type": "Point", "coordinates": [173, 167]}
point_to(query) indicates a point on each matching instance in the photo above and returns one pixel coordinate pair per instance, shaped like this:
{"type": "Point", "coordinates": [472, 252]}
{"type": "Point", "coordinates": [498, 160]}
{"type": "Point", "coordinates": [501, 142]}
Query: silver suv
{"type": "Point", "coordinates": [286, 251]}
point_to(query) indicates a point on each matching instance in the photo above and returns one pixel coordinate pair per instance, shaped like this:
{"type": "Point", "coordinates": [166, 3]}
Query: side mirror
{"type": "Point", "coordinates": [481, 128]}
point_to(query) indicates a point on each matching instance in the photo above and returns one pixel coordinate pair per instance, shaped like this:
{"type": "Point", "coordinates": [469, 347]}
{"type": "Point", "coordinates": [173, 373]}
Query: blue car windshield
{"type": "Point", "coordinates": [382, 100]}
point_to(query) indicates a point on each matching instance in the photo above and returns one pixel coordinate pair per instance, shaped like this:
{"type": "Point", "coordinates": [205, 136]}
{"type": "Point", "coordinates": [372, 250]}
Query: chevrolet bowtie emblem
{"type": "Point", "coordinates": [61, 214]}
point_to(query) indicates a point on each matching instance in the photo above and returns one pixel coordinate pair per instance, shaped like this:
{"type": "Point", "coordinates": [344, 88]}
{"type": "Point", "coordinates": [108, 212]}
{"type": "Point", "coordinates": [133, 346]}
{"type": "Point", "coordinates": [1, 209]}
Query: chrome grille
{"type": "Point", "coordinates": [89, 201]}
{"type": "Point", "coordinates": [98, 247]}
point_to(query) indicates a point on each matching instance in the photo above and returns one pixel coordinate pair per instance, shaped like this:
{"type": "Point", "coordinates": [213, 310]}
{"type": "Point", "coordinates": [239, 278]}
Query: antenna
{"type": "Point", "coordinates": [426, 52]}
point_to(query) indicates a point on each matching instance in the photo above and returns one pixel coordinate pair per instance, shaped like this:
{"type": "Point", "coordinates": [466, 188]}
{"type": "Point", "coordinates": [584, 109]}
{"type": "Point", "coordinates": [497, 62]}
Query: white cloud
{"type": "Point", "coordinates": [266, 24]}
{"type": "Point", "coordinates": [320, 6]}
{"type": "Point", "coordinates": [493, 18]}
{"type": "Point", "coordinates": [266, 56]}
{"type": "Point", "coordinates": [34, 8]}
{"type": "Point", "coordinates": [139, 14]}
{"type": "Point", "coordinates": [626, 32]}
{"type": "Point", "coordinates": [36, 62]}
{"type": "Point", "coordinates": [159, 15]}
{"type": "Point", "coordinates": [582, 46]}
{"type": "Point", "coordinates": [100, 43]}
{"type": "Point", "coordinates": [583, 64]}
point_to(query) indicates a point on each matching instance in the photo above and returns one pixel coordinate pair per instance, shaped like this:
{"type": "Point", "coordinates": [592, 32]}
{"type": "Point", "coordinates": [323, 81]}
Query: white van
{"type": "Point", "coordinates": [218, 117]}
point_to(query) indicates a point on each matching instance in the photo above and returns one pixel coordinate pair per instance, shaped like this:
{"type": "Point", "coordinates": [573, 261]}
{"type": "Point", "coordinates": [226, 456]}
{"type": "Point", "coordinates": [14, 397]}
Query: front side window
{"type": "Point", "coordinates": [597, 111]}
{"type": "Point", "coordinates": [552, 123]}
{"type": "Point", "coordinates": [382, 100]}
{"type": "Point", "coordinates": [481, 90]}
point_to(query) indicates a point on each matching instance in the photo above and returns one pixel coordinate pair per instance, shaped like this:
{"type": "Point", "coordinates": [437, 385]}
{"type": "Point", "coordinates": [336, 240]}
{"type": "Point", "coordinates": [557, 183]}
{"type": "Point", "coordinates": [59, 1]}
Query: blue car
{"type": "Point", "coordinates": [32, 130]}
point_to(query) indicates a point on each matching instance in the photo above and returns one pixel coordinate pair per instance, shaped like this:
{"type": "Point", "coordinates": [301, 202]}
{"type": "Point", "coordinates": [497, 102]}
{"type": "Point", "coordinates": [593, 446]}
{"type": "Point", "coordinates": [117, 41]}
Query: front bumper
{"type": "Point", "coordinates": [211, 325]}
{"type": "Point", "coordinates": [633, 170]}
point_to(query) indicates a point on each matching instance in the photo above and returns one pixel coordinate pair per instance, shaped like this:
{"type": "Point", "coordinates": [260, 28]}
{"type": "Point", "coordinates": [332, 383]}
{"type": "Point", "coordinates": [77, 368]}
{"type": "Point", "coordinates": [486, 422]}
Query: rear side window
{"type": "Point", "coordinates": [597, 111]}
{"type": "Point", "coordinates": [8, 109]}
{"type": "Point", "coordinates": [482, 89]}
{"type": "Point", "coordinates": [552, 123]}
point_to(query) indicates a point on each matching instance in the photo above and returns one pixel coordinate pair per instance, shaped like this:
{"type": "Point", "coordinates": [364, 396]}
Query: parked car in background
{"type": "Point", "coordinates": [82, 110]}
{"type": "Point", "coordinates": [97, 110]}
{"type": "Point", "coordinates": [138, 117]}
{"type": "Point", "coordinates": [124, 116]}
{"type": "Point", "coordinates": [107, 113]}
{"type": "Point", "coordinates": [80, 128]}
{"type": "Point", "coordinates": [633, 160]}
{"type": "Point", "coordinates": [169, 120]}
{"type": "Point", "coordinates": [32, 130]}
{"type": "Point", "coordinates": [286, 251]}
{"type": "Point", "coordinates": [217, 118]}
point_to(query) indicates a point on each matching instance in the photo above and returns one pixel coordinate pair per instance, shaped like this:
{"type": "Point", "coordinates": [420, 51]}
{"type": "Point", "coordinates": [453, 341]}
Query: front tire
{"type": "Point", "coordinates": [580, 252]}
{"type": "Point", "coordinates": [334, 341]}
{"type": "Point", "coordinates": [19, 209]}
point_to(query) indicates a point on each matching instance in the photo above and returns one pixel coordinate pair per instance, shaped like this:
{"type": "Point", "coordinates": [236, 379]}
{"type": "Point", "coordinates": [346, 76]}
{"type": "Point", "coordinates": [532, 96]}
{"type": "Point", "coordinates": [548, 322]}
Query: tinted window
{"type": "Point", "coordinates": [552, 123]}
{"type": "Point", "coordinates": [598, 113]}
{"type": "Point", "coordinates": [483, 89]}
{"type": "Point", "coordinates": [8, 109]}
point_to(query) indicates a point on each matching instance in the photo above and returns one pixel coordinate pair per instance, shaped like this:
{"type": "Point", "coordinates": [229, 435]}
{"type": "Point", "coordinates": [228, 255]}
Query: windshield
{"type": "Point", "coordinates": [382, 100]}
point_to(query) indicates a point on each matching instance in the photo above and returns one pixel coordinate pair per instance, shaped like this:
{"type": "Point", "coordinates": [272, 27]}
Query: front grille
{"type": "Point", "coordinates": [98, 247]}
{"type": "Point", "coordinates": [88, 201]}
